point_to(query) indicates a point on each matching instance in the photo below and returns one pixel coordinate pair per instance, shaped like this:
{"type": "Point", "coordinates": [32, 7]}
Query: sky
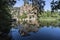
{"type": "Point", "coordinates": [19, 3]}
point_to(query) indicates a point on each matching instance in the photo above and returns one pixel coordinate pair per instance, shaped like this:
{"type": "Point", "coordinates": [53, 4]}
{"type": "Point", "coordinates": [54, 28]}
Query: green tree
{"type": "Point", "coordinates": [26, 2]}
{"type": "Point", "coordinates": [5, 18]}
{"type": "Point", "coordinates": [39, 4]}
{"type": "Point", "coordinates": [55, 5]}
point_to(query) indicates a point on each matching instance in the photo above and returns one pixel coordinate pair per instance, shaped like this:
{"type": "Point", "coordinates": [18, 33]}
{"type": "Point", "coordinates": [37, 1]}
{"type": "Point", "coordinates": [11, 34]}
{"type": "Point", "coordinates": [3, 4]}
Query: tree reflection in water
{"type": "Point", "coordinates": [34, 28]}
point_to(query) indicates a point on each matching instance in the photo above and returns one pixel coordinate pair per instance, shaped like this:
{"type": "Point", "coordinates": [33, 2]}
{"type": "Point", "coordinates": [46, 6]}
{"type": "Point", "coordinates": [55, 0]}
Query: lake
{"type": "Point", "coordinates": [44, 33]}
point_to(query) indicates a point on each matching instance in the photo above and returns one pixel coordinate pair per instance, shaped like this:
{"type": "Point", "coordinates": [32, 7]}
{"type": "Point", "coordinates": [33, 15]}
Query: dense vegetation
{"type": "Point", "coordinates": [5, 18]}
{"type": "Point", "coordinates": [55, 5]}
{"type": "Point", "coordinates": [47, 18]}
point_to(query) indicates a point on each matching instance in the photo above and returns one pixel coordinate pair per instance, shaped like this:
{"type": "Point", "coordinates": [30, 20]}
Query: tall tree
{"type": "Point", "coordinates": [5, 18]}
{"type": "Point", "coordinates": [39, 4]}
{"type": "Point", "coordinates": [52, 6]}
{"type": "Point", "coordinates": [55, 5]}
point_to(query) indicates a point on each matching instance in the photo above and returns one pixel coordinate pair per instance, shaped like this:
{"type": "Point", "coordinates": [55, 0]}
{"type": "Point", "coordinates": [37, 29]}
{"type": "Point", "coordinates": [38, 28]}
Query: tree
{"type": "Point", "coordinates": [52, 6]}
{"type": "Point", "coordinates": [5, 18]}
{"type": "Point", "coordinates": [39, 4]}
{"type": "Point", "coordinates": [26, 2]}
{"type": "Point", "coordinates": [55, 5]}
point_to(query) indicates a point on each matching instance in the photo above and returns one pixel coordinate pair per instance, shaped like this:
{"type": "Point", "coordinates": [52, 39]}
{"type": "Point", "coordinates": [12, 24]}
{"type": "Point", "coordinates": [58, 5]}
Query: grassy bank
{"type": "Point", "coordinates": [47, 19]}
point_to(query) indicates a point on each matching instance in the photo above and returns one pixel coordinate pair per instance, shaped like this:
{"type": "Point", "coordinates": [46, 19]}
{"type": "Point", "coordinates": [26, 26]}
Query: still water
{"type": "Point", "coordinates": [44, 33]}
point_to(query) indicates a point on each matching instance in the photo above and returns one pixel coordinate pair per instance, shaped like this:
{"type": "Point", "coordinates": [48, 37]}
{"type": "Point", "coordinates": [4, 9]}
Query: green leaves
{"type": "Point", "coordinates": [23, 16]}
{"type": "Point", "coordinates": [55, 5]}
{"type": "Point", "coordinates": [5, 18]}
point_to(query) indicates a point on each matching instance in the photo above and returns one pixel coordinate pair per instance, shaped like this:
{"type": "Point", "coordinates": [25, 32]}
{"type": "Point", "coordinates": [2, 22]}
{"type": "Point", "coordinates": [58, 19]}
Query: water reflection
{"type": "Point", "coordinates": [47, 30]}
{"type": "Point", "coordinates": [15, 35]}
{"type": "Point", "coordinates": [50, 23]}
{"type": "Point", "coordinates": [44, 33]}
{"type": "Point", "coordinates": [33, 28]}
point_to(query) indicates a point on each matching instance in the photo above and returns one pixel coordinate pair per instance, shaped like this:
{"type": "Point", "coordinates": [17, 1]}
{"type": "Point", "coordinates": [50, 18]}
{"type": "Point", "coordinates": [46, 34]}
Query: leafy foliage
{"type": "Point", "coordinates": [39, 4]}
{"type": "Point", "coordinates": [55, 5]}
{"type": "Point", "coordinates": [5, 18]}
{"type": "Point", "coordinates": [23, 16]}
